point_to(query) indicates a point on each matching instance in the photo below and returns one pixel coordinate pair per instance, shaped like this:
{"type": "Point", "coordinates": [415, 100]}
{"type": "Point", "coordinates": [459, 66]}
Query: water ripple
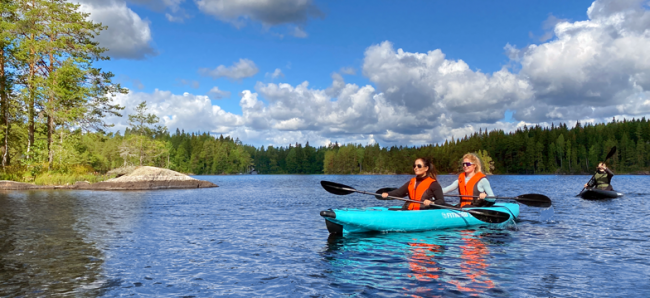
{"type": "Point", "coordinates": [262, 236]}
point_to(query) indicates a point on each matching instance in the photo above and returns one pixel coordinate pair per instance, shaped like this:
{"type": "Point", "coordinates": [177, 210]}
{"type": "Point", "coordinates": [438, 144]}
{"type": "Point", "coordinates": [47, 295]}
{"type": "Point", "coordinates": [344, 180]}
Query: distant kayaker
{"type": "Point", "coordinates": [602, 178]}
{"type": "Point", "coordinates": [472, 182]}
{"type": "Point", "coordinates": [423, 187]}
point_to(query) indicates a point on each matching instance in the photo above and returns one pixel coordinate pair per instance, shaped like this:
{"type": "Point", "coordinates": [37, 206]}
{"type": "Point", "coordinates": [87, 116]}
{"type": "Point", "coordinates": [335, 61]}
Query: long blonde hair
{"type": "Point", "coordinates": [475, 160]}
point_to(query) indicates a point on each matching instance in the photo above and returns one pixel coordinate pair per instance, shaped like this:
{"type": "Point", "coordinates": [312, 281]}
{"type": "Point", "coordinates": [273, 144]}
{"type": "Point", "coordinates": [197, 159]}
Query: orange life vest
{"type": "Point", "coordinates": [469, 189]}
{"type": "Point", "coordinates": [416, 194]}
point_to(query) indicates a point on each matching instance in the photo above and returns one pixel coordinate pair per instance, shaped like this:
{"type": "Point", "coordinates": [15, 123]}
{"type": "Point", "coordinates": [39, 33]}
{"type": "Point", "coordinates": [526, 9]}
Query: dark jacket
{"type": "Point", "coordinates": [610, 174]}
{"type": "Point", "coordinates": [434, 194]}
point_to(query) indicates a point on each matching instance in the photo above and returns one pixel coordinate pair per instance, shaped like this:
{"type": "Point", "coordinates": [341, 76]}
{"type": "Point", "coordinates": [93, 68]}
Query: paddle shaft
{"type": "Point", "coordinates": [488, 197]}
{"type": "Point", "coordinates": [412, 201]}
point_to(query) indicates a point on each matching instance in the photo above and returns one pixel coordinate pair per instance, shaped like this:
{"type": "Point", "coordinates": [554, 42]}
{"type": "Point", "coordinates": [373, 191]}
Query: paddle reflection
{"type": "Point", "coordinates": [436, 263]}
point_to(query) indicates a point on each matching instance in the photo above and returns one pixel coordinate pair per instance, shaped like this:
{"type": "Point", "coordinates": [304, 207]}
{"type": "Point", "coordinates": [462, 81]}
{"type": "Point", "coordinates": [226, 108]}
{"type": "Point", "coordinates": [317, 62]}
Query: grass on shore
{"type": "Point", "coordinates": [39, 175]}
{"type": "Point", "coordinates": [68, 179]}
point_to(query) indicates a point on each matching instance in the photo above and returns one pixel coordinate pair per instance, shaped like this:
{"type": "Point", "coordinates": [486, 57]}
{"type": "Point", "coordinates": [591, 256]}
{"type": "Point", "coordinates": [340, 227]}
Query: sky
{"type": "Point", "coordinates": [280, 72]}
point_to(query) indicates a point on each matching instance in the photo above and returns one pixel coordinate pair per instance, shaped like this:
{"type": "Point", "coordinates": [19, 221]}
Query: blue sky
{"type": "Point", "coordinates": [463, 65]}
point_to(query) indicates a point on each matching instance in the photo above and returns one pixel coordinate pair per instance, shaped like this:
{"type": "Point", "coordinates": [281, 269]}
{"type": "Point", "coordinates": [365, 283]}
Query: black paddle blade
{"type": "Point", "coordinates": [383, 190]}
{"type": "Point", "coordinates": [490, 216]}
{"type": "Point", "coordinates": [534, 200]}
{"type": "Point", "coordinates": [337, 189]}
{"type": "Point", "coordinates": [611, 153]}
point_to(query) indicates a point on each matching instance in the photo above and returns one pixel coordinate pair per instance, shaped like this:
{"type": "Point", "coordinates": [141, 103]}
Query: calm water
{"type": "Point", "coordinates": [262, 236]}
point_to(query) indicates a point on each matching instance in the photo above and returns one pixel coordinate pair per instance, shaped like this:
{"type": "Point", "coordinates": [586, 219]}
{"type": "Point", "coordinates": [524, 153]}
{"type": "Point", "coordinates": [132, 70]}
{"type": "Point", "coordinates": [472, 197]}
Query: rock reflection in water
{"type": "Point", "coordinates": [47, 246]}
{"type": "Point", "coordinates": [452, 262]}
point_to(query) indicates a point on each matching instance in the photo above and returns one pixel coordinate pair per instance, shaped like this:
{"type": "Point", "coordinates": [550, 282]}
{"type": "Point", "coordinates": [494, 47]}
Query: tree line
{"type": "Point", "coordinates": [528, 150]}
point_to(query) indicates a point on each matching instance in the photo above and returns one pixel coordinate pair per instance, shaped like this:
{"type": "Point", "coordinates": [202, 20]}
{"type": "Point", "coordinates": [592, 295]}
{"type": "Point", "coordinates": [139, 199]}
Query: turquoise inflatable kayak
{"type": "Point", "coordinates": [386, 219]}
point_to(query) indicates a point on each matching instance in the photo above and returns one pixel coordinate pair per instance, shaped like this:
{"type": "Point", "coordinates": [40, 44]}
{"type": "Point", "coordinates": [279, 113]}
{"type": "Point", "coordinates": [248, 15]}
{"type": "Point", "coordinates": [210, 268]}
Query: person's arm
{"type": "Point", "coordinates": [400, 192]}
{"type": "Point", "coordinates": [484, 186]}
{"type": "Point", "coordinates": [451, 187]}
{"type": "Point", "coordinates": [435, 194]}
{"type": "Point", "coordinates": [610, 174]}
{"type": "Point", "coordinates": [591, 182]}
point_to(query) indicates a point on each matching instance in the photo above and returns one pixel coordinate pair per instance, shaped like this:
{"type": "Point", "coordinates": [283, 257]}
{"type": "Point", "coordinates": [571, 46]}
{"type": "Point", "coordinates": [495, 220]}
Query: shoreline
{"type": "Point", "coordinates": [135, 178]}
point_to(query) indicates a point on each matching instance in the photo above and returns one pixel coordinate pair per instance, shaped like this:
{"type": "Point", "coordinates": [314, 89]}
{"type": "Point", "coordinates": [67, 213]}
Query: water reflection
{"type": "Point", "coordinates": [474, 254]}
{"type": "Point", "coordinates": [47, 246]}
{"type": "Point", "coordinates": [452, 262]}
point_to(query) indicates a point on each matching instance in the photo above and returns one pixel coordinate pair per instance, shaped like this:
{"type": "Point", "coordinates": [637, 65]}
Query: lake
{"type": "Point", "coordinates": [259, 235]}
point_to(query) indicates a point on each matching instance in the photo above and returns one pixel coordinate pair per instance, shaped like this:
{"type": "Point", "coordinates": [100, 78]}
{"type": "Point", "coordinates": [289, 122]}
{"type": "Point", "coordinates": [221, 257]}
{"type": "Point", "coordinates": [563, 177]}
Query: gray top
{"type": "Point", "coordinates": [483, 185]}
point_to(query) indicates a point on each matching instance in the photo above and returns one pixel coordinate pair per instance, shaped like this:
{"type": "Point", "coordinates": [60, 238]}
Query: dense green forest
{"type": "Point", "coordinates": [529, 150]}
{"type": "Point", "coordinates": [54, 103]}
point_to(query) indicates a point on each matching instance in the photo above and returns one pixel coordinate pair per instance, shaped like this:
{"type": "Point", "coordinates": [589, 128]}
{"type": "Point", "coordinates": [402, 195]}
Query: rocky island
{"type": "Point", "coordinates": [130, 178]}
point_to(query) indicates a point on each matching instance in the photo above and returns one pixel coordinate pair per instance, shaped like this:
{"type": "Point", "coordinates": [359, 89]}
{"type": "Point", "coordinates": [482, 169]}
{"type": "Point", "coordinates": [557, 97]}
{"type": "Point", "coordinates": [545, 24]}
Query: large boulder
{"type": "Point", "coordinates": [145, 178]}
{"type": "Point", "coordinates": [133, 178]}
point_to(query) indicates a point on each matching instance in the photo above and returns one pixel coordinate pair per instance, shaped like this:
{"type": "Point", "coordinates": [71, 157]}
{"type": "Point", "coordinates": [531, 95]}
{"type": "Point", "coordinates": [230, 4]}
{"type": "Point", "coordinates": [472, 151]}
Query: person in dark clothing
{"type": "Point", "coordinates": [423, 187]}
{"type": "Point", "coordinates": [602, 178]}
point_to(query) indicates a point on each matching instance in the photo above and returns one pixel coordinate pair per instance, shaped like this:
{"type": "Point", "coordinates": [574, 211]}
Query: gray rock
{"type": "Point", "coordinates": [140, 178]}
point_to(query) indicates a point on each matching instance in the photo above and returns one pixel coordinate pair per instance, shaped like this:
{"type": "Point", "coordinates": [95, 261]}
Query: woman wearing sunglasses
{"type": "Point", "coordinates": [423, 187]}
{"type": "Point", "coordinates": [472, 182]}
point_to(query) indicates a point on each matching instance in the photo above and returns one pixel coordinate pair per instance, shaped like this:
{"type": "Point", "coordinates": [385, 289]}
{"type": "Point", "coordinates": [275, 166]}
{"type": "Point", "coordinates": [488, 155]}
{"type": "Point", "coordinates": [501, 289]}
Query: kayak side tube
{"type": "Point", "coordinates": [381, 219]}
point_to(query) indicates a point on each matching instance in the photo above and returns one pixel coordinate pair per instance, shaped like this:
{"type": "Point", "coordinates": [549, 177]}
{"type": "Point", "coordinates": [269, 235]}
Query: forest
{"type": "Point", "coordinates": [54, 103]}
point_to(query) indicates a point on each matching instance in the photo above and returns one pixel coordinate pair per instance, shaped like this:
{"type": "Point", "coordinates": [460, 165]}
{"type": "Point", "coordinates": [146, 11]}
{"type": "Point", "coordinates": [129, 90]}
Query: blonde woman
{"type": "Point", "coordinates": [472, 182]}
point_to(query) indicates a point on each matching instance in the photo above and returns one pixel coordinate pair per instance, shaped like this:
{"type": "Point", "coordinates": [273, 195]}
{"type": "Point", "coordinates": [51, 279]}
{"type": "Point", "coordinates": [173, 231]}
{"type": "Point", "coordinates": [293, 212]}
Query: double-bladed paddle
{"type": "Point", "coordinates": [490, 216]}
{"type": "Point", "coordinates": [610, 154]}
{"type": "Point", "coordinates": [531, 199]}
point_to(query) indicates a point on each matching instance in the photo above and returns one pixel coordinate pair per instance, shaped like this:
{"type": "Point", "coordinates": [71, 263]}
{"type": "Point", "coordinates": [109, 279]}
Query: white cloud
{"type": "Point", "coordinates": [601, 63]}
{"type": "Point", "coordinates": [299, 32]}
{"type": "Point", "coordinates": [589, 70]}
{"type": "Point", "coordinates": [175, 19]}
{"type": "Point", "coordinates": [215, 93]}
{"type": "Point", "coordinates": [128, 36]}
{"type": "Point", "coordinates": [276, 74]}
{"type": "Point", "coordinates": [242, 69]}
{"type": "Point", "coordinates": [428, 86]}
{"type": "Point", "coordinates": [193, 84]}
{"type": "Point", "coordinates": [175, 12]}
{"type": "Point", "coordinates": [158, 5]}
{"type": "Point", "coordinates": [268, 12]}
{"type": "Point", "coordinates": [348, 70]}
{"type": "Point", "coordinates": [187, 111]}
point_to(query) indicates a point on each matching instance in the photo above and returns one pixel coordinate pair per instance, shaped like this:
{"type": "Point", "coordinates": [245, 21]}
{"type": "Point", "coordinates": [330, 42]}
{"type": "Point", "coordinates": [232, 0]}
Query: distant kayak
{"type": "Point", "coordinates": [393, 219]}
{"type": "Point", "coordinates": [599, 194]}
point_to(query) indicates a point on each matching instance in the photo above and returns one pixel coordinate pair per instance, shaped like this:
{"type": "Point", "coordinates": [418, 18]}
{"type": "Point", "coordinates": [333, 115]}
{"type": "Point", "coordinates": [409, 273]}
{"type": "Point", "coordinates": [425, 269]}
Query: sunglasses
{"type": "Point", "coordinates": [418, 165]}
{"type": "Point", "coordinates": [467, 164]}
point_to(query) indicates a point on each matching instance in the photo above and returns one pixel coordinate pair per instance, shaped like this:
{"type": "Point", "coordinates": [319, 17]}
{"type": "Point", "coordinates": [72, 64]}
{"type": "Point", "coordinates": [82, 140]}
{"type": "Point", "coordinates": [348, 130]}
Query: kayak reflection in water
{"type": "Point", "coordinates": [602, 178]}
{"type": "Point", "coordinates": [423, 187]}
{"type": "Point", "coordinates": [472, 182]}
{"type": "Point", "coordinates": [473, 264]}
